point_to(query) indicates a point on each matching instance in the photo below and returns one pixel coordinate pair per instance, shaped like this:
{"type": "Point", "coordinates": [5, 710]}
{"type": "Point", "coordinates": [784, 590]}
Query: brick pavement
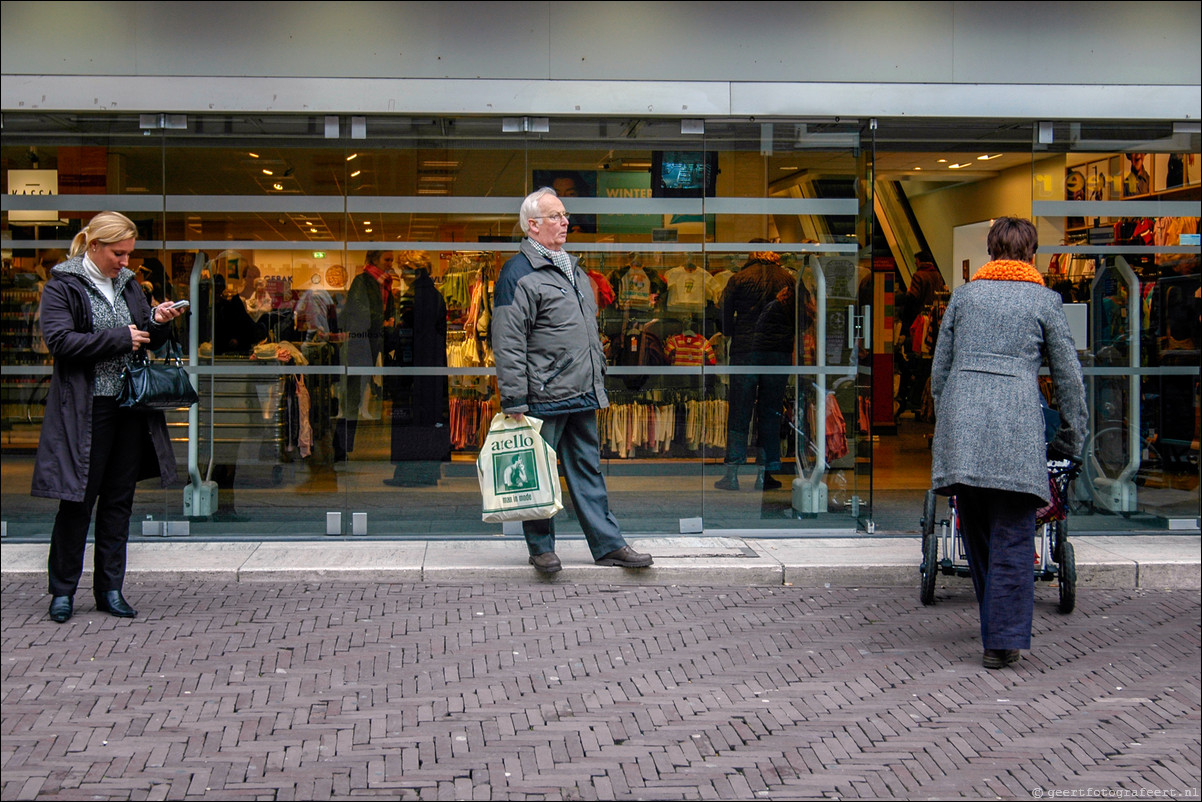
{"type": "Point", "coordinates": [523, 691]}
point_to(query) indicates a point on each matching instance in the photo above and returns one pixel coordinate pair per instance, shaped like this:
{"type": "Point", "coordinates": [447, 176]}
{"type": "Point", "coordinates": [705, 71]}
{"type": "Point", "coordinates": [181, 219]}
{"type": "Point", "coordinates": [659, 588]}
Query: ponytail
{"type": "Point", "coordinates": [79, 243]}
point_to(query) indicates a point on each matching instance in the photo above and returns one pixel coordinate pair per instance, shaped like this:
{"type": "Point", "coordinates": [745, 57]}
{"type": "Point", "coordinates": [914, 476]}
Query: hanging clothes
{"type": "Point", "coordinates": [836, 430]}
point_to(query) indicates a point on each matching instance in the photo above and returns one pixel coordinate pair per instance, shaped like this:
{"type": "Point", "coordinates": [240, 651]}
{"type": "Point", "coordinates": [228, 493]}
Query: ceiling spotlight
{"type": "Point", "coordinates": [253, 155]}
{"type": "Point", "coordinates": [352, 157]}
{"type": "Point", "coordinates": [986, 157]}
{"type": "Point", "coordinates": [356, 173]}
{"type": "Point", "coordinates": [277, 186]}
{"type": "Point", "coordinates": [267, 172]}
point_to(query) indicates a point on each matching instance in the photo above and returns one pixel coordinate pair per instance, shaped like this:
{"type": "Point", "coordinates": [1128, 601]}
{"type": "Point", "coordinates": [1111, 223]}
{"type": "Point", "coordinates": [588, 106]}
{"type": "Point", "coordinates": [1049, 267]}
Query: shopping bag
{"type": "Point", "coordinates": [517, 470]}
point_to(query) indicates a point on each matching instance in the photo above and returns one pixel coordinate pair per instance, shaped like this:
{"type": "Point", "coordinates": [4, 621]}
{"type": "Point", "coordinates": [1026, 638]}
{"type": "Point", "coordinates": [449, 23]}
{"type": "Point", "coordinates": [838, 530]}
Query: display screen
{"type": "Point", "coordinates": [683, 173]}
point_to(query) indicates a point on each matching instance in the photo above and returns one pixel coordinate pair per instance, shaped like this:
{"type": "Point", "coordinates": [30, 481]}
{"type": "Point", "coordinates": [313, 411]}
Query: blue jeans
{"type": "Point", "coordinates": [763, 393]}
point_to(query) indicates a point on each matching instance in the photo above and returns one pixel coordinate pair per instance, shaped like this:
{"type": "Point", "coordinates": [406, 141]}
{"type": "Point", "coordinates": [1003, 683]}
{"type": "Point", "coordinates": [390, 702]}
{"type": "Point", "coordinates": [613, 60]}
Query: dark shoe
{"type": "Point", "coordinates": [767, 482]}
{"type": "Point", "coordinates": [546, 563]}
{"type": "Point", "coordinates": [61, 608]}
{"type": "Point", "coordinates": [626, 557]}
{"type": "Point", "coordinates": [727, 482]}
{"type": "Point", "coordinates": [113, 602]}
{"type": "Point", "coordinates": [1000, 658]}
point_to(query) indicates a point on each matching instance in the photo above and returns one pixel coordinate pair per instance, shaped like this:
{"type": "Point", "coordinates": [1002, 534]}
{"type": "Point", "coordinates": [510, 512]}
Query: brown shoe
{"type": "Point", "coordinates": [626, 557]}
{"type": "Point", "coordinates": [1000, 658]}
{"type": "Point", "coordinates": [546, 563]}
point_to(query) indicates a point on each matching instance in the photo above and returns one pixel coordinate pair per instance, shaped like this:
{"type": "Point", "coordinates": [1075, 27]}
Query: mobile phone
{"type": "Point", "coordinates": [181, 304]}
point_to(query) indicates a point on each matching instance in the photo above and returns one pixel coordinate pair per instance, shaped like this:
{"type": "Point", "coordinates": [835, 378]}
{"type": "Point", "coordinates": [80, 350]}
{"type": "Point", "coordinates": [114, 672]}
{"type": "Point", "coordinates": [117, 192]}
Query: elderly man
{"type": "Point", "coordinates": [550, 364]}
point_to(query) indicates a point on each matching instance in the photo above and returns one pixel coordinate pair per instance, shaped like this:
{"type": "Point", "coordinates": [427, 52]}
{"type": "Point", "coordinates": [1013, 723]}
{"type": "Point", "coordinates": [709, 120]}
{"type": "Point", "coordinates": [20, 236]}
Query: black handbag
{"type": "Point", "coordinates": [165, 385]}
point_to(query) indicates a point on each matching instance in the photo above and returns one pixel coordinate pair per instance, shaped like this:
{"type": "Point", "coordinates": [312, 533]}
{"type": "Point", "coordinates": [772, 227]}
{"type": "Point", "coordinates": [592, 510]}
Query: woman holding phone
{"type": "Point", "coordinates": [91, 451]}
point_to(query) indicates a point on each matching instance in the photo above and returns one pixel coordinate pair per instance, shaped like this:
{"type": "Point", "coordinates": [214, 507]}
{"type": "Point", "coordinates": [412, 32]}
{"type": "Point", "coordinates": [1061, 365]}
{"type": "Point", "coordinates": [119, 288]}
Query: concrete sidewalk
{"type": "Point", "coordinates": [1117, 561]}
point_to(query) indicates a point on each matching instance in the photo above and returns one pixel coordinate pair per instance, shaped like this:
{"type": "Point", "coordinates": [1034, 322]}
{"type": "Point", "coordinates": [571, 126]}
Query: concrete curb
{"type": "Point", "coordinates": [1116, 562]}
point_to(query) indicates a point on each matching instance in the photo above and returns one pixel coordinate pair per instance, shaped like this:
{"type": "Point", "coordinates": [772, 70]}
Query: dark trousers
{"type": "Point", "coordinates": [998, 527]}
{"type": "Point", "coordinates": [574, 438]}
{"type": "Point", "coordinates": [112, 478]}
{"type": "Point", "coordinates": [765, 395]}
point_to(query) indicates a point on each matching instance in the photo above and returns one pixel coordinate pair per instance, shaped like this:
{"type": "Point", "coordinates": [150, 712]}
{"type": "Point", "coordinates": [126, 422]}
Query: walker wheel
{"type": "Point", "coordinates": [1068, 579]}
{"type": "Point", "coordinates": [929, 568]}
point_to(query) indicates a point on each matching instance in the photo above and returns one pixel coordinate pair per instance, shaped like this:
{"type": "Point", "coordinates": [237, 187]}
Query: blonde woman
{"type": "Point", "coordinates": [94, 317]}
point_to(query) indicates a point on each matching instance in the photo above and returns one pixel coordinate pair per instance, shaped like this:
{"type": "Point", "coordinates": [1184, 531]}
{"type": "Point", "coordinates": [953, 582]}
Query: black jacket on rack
{"type": "Point", "coordinates": [421, 410]}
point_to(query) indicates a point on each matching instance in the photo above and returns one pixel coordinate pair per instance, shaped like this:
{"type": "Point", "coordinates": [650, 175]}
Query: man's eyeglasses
{"type": "Point", "coordinates": [554, 218]}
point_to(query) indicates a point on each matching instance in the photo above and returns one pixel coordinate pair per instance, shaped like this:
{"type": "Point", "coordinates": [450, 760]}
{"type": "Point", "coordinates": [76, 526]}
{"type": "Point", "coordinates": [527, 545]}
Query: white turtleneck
{"type": "Point", "coordinates": [102, 282]}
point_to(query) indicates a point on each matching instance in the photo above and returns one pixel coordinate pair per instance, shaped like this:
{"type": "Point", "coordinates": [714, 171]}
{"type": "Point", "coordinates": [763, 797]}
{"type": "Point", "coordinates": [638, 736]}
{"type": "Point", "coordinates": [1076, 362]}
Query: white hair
{"type": "Point", "coordinates": [531, 206]}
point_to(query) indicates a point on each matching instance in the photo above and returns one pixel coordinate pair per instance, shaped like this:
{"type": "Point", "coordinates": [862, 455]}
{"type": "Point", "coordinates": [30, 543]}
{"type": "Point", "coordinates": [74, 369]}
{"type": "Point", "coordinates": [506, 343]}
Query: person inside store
{"type": "Point", "coordinates": [913, 367]}
{"type": "Point", "coordinates": [990, 448]}
{"type": "Point", "coordinates": [760, 340]}
{"type": "Point", "coordinates": [246, 293]}
{"type": "Point", "coordinates": [367, 317]}
{"type": "Point", "coordinates": [260, 303]}
{"type": "Point", "coordinates": [235, 332]}
{"type": "Point", "coordinates": [550, 364]}
{"type": "Point", "coordinates": [926, 281]}
{"type": "Point", "coordinates": [91, 452]}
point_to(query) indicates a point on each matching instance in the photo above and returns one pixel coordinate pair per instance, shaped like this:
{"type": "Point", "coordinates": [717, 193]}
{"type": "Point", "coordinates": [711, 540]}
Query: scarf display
{"type": "Point", "coordinates": [1008, 270]}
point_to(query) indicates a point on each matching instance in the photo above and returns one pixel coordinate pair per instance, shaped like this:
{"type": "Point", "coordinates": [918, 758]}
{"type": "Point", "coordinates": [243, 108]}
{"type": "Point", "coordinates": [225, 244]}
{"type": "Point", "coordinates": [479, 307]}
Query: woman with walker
{"type": "Point", "coordinates": [989, 448]}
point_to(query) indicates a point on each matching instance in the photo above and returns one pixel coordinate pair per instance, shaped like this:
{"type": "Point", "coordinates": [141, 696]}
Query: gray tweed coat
{"type": "Point", "coordinates": [989, 429]}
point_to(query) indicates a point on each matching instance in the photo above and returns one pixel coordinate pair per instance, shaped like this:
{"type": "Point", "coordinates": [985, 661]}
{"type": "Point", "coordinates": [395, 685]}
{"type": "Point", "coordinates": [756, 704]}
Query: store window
{"type": "Point", "coordinates": [316, 419]}
{"type": "Point", "coordinates": [267, 222]}
{"type": "Point", "coordinates": [1118, 209]}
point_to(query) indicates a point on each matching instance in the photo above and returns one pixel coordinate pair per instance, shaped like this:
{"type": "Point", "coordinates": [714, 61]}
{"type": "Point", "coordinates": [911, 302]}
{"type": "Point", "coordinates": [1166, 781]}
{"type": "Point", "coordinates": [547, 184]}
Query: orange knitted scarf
{"type": "Point", "coordinates": [1008, 270]}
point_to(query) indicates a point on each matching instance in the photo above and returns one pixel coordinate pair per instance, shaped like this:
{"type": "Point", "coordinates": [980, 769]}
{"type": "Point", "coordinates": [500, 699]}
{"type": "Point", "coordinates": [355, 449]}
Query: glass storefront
{"type": "Point", "coordinates": [313, 420]}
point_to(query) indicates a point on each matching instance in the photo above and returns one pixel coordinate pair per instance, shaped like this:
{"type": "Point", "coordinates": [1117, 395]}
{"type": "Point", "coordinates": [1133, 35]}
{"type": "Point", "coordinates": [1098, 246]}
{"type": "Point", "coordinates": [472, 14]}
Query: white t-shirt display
{"type": "Point", "coordinates": [688, 288]}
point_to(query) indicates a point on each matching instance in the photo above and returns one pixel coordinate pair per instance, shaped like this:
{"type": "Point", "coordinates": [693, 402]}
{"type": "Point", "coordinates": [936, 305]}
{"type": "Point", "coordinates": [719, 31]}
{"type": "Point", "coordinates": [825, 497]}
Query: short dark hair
{"type": "Point", "coordinates": [1012, 238]}
{"type": "Point", "coordinates": [924, 258]}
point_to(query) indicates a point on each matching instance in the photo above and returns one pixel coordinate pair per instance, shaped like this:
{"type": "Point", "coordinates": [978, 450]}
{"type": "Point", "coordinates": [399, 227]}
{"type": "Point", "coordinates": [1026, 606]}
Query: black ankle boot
{"type": "Point", "coordinates": [111, 601]}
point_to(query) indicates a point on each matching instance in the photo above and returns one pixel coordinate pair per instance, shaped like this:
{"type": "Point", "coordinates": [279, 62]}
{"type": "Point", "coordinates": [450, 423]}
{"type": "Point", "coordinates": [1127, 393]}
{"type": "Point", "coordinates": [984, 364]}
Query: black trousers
{"type": "Point", "coordinates": [112, 478]}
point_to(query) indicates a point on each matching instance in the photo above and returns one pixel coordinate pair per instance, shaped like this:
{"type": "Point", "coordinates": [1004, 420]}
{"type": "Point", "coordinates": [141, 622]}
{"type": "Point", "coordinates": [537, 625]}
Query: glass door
{"type": "Point", "coordinates": [792, 224]}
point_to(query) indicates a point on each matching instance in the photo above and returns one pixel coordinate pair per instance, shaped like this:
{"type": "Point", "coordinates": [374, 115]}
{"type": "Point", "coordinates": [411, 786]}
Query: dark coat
{"type": "Point", "coordinates": [748, 293]}
{"type": "Point", "coordinates": [64, 448]}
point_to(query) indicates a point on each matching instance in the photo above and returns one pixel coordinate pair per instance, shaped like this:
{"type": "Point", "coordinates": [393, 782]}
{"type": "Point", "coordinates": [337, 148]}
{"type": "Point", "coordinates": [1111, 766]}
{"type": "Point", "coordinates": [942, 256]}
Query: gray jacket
{"type": "Point", "coordinates": [544, 338]}
{"type": "Point", "coordinates": [989, 429]}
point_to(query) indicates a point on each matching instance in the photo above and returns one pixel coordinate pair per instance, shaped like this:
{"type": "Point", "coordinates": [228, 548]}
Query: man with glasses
{"type": "Point", "coordinates": [550, 364]}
